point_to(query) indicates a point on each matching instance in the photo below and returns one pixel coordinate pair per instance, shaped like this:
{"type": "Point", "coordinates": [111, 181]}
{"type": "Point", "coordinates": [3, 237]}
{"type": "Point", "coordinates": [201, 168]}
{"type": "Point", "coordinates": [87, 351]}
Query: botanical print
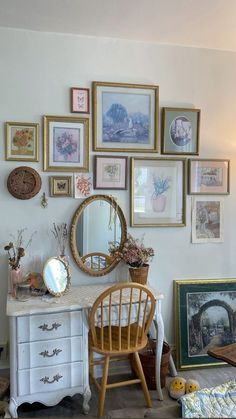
{"type": "Point", "coordinates": [22, 141]}
{"type": "Point", "coordinates": [125, 117]}
{"type": "Point", "coordinates": [181, 131]}
{"type": "Point", "coordinates": [66, 145]}
{"type": "Point", "coordinates": [155, 191]}
{"type": "Point", "coordinates": [210, 320]}
{"type": "Point", "coordinates": [83, 185]}
{"type": "Point", "coordinates": [209, 176]}
{"type": "Point", "coordinates": [207, 221]}
{"type": "Point", "coordinates": [111, 172]}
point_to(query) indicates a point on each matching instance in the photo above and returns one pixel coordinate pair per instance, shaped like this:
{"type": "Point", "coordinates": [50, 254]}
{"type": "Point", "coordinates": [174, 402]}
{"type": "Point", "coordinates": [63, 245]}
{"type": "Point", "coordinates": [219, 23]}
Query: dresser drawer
{"type": "Point", "coordinates": [49, 326]}
{"type": "Point", "coordinates": [49, 353]}
{"type": "Point", "coordinates": [44, 380]}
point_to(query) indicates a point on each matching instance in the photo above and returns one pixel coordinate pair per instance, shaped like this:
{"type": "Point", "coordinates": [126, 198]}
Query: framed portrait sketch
{"type": "Point", "coordinates": [66, 144]}
{"type": "Point", "coordinates": [180, 131]}
{"type": "Point", "coordinates": [158, 192]}
{"type": "Point", "coordinates": [79, 100]}
{"type": "Point", "coordinates": [83, 185]}
{"type": "Point", "coordinates": [125, 117]}
{"type": "Point", "coordinates": [209, 176]}
{"type": "Point", "coordinates": [207, 220]}
{"type": "Point", "coordinates": [204, 313]}
{"type": "Point", "coordinates": [110, 172]}
{"type": "Point", "coordinates": [21, 141]}
{"type": "Point", "coordinates": [60, 186]}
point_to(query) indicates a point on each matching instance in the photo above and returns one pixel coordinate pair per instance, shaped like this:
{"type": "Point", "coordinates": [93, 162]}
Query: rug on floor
{"type": "Point", "coordinates": [161, 412]}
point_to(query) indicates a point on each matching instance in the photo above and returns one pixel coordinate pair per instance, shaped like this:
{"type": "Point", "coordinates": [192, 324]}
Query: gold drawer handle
{"type": "Point", "coordinates": [54, 352]}
{"type": "Point", "coordinates": [46, 380]}
{"type": "Point", "coordinates": [45, 327]}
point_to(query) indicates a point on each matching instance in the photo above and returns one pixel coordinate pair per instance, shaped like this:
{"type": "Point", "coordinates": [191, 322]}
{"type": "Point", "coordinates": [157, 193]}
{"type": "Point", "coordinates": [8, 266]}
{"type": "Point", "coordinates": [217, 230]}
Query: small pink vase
{"type": "Point", "coordinates": [159, 203]}
{"type": "Point", "coordinates": [15, 278]}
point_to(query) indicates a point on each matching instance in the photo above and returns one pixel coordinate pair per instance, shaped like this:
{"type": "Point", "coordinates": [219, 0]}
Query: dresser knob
{"type": "Point", "coordinates": [45, 327]}
{"type": "Point", "coordinates": [54, 352]}
{"type": "Point", "coordinates": [46, 380]}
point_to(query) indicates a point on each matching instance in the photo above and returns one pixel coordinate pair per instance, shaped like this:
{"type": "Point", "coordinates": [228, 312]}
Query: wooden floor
{"type": "Point", "coordinates": [127, 402]}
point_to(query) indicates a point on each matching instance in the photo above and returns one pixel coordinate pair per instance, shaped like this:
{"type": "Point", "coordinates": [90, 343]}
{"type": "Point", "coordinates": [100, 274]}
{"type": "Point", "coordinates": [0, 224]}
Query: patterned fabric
{"type": "Point", "coordinates": [215, 402]}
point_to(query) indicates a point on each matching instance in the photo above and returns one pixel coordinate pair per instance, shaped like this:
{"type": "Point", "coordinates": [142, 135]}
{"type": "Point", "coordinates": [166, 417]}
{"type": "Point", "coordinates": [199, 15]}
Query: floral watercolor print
{"type": "Point", "coordinates": [66, 145]}
{"type": "Point", "coordinates": [209, 320]}
{"type": "Point", "coordinates": [207, 220]}
{"type": "Point", "coordinates": [83, 183]}
{"type": "Point", "coordinates": [110, 172]}
{"type": "Point", "coordinates": [22, 141]}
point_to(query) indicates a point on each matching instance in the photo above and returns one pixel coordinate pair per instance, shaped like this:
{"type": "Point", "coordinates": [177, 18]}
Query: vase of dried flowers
{"type": "Point", "coordinates": [60, 233]}
{"type": "Point", "coordinates": [136, 255]}
{"type": "Point", "coordinates": [16, 252]}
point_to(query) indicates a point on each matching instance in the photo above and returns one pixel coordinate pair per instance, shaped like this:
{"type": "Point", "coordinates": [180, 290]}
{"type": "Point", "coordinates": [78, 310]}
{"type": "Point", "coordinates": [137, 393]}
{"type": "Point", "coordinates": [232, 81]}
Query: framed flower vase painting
{"type": "Point", "coordinates": [79, 100]}
{"type": "Point", "coordinates": [180, 131]}
{"type": "Point", "coordinates": [158, 192]}
{"type": "Point", "coordinates": [209, 177]}
{"type": "Point", "coordinates": [125, 117]}
{"type": "Point", "coordinates": [21, 141]}
{"type": "Point", "coordinates": [60, 186]}
{"type": "Point", "coordinates": [66, 144]}
{"type": "Point", "coordinates": [110, 172]}
{"type": "Point", "coordinates": [204, 313]}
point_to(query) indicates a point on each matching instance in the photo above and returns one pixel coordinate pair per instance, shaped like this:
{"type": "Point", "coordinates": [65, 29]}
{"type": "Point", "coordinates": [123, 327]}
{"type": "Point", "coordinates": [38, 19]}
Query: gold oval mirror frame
{"type": "Point", "coordinates": [56, 276]}
{"type": "Point", "coordinates": [98, 221]}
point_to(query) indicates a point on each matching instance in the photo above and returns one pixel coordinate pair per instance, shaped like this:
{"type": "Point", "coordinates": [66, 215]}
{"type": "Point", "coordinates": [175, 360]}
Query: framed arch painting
{"type": "Point", "coordinates": [205, 313]}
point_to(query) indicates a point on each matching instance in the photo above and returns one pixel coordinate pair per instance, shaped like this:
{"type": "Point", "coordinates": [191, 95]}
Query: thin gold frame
{"type": "Point", "coordinates": [190, 161]}
{"type": "Point", "coordinates": [163, 130]}
{"type": "Point", "coordinates": [8, 126]}
{"type": "Point", "coordinates": [184, 188]}
{"type": "Point", "coordinates": [51, 291]}
{"type": "Point", "coordinates": [54, 179]}
{"type": "Point", "coordinates": [155, 116]}
{"type": "Point", "coordinates": [73, 234]}
{"type": "Point", "coordinates": [180, 327]}
{"type": "Point", "coordinates": [46, 153]}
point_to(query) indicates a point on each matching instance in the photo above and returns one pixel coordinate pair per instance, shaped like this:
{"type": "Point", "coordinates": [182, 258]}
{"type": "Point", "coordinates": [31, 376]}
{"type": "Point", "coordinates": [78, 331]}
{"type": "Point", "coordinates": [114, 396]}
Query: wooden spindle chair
{"type": "Point", "coordinates": [119, 322]}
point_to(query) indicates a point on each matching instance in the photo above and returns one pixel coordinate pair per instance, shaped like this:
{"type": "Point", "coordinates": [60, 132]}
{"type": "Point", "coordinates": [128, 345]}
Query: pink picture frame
{"type": "Point", "coordinates": [79, 100]}
{"type": "Point", "coordinates": [110, 172]}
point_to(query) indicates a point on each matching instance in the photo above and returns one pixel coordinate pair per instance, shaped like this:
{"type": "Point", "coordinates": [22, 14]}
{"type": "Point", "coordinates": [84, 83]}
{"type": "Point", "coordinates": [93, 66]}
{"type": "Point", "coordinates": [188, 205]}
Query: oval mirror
{"type": "Point", "coordinates": [56, 276]}
{"type": "Point", "coordinates": [98, 221]}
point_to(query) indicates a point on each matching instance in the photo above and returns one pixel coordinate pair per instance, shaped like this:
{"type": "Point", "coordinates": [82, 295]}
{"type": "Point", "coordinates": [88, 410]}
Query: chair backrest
{"type": "Point", "coordinates": [96, 261]}
{"type": "Point", "coordinates": [127, 306]}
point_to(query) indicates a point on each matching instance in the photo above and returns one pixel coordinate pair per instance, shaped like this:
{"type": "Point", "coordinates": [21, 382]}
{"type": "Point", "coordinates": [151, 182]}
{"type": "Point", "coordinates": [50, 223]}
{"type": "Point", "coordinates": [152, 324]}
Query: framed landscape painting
{"type": "Point", "coordinates": [125, 117]}
{"type": "Point", "coordinates": [209, 176]}
{"type": "Point", "coordinates": [207, 220]}
{"type": "Point", "coordinates": [110, 172]}
{"type": "Point", "coordinates": [158, 192]}
{"type": "Point", "coordinates": [21, 141]}
{"type": "Point", "coordinates": [180, 131]}
{"type": "Point", "coordinates": [66, 144]}
{"type": "Point", "coordinates": [204, 312]}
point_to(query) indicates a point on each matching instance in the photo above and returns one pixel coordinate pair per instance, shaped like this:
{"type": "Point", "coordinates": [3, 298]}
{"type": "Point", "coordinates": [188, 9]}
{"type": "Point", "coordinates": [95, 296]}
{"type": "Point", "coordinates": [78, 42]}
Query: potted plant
{"type": "Point", "coordinates": [161, 185]}
{"type": "Point", "coordinates": [136, 256]}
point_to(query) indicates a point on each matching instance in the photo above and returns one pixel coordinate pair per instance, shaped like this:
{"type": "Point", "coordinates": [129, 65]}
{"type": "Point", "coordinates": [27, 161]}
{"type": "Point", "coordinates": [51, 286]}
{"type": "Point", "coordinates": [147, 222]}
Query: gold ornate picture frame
{"type": "Point", "coordinates": [66, 144]}
{"type": "Point", "coordinates": [60, 186]}
{"type": "Point", "coordinates": [22, 141]}
{"type": "Point", "coordinates": [125, 117]}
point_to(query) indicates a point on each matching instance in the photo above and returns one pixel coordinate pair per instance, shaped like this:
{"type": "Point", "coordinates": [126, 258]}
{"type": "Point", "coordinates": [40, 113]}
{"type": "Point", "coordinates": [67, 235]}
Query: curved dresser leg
{"type": "Point", "coordinates": [13, 408]}
{"type": "Point", "coordinates": [87, 397]}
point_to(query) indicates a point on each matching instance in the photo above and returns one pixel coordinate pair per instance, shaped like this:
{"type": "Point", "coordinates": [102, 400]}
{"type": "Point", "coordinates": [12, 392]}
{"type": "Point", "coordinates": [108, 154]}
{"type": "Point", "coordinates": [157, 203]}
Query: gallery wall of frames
{"type": "Point", "coordinates": [125, 119]}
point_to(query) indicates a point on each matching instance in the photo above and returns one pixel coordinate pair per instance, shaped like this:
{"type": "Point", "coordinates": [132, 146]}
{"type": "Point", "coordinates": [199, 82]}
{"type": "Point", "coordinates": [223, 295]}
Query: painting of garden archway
{"type": "Point", "coordinates": [206, 317]}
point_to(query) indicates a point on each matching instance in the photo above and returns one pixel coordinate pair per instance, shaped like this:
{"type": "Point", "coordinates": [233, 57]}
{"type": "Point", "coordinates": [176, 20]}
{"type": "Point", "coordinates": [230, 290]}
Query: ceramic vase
{"type": "Point", "coordinates": [15, 278]}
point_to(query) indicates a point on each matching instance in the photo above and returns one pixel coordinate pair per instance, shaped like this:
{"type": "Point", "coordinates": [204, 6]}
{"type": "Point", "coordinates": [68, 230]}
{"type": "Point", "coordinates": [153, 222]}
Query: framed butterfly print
{"type": "Point", "coordinates": [60, 186]}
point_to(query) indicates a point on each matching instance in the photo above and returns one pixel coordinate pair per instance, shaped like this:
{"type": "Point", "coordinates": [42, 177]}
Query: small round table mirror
{"type": "Point", "coordinates": [56, 276]}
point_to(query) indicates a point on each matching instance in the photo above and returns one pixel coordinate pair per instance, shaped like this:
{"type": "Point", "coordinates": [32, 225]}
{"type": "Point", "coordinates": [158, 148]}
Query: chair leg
{"type": "Point", "coordinates": [143, 380]}
{"type": "Point", "coordinates": [91, 367]}
{"type": "Point", "coordinates": [102, 392]}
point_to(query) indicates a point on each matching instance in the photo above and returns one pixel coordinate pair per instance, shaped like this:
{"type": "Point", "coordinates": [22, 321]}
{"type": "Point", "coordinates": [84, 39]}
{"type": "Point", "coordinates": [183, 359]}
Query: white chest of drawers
{"type": "Point", "coordinates": [49, 347]}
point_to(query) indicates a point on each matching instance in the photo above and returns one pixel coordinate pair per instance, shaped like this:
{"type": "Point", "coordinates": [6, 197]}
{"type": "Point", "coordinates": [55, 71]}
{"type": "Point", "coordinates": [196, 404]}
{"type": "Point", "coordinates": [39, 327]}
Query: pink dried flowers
{"type": "Point", "coordinates": [134, 253]}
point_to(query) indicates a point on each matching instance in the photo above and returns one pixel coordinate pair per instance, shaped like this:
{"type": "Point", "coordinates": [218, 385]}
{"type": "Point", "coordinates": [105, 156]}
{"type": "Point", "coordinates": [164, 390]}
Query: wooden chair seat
{"type": "Point", "coordinates": [225, 353]}
{"type": "Point", "coordinates": [114, 344]}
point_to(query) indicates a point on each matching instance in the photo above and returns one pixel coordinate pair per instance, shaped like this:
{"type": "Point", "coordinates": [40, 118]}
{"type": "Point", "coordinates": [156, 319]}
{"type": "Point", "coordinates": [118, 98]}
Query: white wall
{"type": "Point", "coordinates": [36, 72]}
